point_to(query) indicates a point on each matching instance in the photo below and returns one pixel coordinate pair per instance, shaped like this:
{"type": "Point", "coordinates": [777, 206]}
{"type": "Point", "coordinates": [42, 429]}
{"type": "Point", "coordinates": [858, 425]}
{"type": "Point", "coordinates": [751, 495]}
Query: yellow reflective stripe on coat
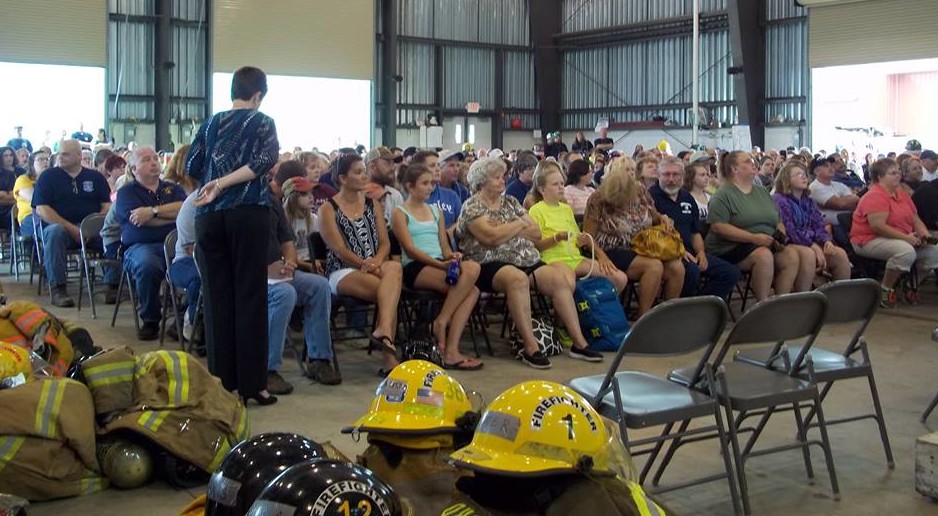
{"type": "Point", "coordinates": [219, 455]}
{"type": "Point", "coordinates": [9, 445]}
{"type": "Point", "coordinates": [177, 367]}
{"type": "Point", "coordinates": [152, 419]}
{"type": "Point", "coordinates": [646, 506]}
{"type": "Point", "coordinates": [109, 374]}
{"type": "Point", "coordinates": [243, 431]}
{"type": "Point", "coordinates": [50, 403]}
{"type": "Point", "coordinates": [91, 483]}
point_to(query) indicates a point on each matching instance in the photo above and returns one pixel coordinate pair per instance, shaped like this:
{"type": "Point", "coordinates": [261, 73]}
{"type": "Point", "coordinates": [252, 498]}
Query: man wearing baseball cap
{"type": "Point", "coordinates": [929, 165]}
{"type": "Point", "coordinates": [379, 165]}
{"type": "Point", "coordinates": [449, 173]}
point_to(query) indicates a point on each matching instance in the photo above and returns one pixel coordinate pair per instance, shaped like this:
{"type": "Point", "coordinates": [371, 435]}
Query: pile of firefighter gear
{"type": "Point", "coordinates": [78, 419]}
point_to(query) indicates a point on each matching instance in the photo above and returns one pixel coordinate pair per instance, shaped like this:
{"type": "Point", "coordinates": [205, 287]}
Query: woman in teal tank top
{"type": "Point", "coordinates": [427, 256]}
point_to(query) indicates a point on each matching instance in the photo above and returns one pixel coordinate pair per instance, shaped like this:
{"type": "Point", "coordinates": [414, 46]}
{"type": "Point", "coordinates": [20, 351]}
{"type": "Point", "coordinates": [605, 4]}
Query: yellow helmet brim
{"type": "Point", "coordinates": [510, 464]}
{"type": "Point", "coordinates": [384, 422]}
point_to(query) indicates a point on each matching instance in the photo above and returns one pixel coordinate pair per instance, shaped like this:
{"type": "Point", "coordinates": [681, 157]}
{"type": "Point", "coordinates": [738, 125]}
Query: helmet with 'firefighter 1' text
{"type": "Point", "coordinates": [417, 397]}
{"type": "Point", "coordinates": [538, 428]}
{"type": "Point", "coordinates": [250, 466]}
{"type": "Point", "coordinates": [327, 487]}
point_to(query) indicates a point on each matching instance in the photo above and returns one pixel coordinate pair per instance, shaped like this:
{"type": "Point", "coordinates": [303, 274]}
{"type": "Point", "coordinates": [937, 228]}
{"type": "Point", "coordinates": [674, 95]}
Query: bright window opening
{"type": "Point", "coordinates": [875, 108]}
{"type": "Point", "coordinates": [49, 100]}
{"type": "Point", "coordinates": [310, 112]}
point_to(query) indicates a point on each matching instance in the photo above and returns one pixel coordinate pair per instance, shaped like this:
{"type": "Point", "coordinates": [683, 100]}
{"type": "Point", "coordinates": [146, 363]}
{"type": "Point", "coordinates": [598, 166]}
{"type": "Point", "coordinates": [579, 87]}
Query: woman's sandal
{"type": "Point", "coordinates": [382, 343]}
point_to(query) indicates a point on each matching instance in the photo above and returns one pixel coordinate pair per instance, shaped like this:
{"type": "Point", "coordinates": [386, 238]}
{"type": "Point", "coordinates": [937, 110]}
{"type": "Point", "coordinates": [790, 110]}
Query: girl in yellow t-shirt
{"type": "Point", "coordinates": [23, 191]}
{"type": "Point", "coordinates": [561, 239]}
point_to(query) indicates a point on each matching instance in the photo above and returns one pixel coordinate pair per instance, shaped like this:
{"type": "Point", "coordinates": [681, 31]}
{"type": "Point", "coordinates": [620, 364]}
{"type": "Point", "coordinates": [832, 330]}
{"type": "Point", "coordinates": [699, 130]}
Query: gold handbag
{"type": "Point", "coordinates": [658, 242]}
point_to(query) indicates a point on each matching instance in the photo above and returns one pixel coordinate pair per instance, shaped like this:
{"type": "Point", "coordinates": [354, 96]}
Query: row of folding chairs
{"type": "Point", "coordinates": [728, 384]}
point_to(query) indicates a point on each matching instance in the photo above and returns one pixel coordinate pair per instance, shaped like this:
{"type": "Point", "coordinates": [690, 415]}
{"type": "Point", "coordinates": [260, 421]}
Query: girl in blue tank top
{"type": "Point", "coordinates": [427, 256]}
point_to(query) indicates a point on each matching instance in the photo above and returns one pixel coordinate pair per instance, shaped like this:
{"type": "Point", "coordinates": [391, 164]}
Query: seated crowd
{"type": "Point", "coordinates": [521, 224]}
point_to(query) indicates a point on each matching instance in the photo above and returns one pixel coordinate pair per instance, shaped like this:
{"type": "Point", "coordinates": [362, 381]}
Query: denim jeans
{"type": "Point", "coordinates": [721, 278]}
{"type": "Point", "coordinates": [26, 227]}
{"type": "Point", "coordinates": [111, 274]}
{"type": "Point", "coordinates": [184, 275]}
{"type": "Point", "coordinates": [56, 244]}
{"type": "Point", "coordinates": [147, 268]}
{"type": "Point", "coordinates": [312, 292]}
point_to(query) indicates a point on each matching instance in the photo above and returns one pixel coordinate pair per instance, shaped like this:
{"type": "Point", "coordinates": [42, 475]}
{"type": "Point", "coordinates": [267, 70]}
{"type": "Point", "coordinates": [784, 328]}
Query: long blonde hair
{"type": "Point", "coordinates": [544, 169]}
{"type": "Point", "coordinates": [619, 187]}
{"type": "Point", "coordinates": [176, 171]}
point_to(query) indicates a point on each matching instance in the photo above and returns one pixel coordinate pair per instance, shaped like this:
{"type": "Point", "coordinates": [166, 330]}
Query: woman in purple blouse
{"type": "Point", "coordinates": [804, 225]}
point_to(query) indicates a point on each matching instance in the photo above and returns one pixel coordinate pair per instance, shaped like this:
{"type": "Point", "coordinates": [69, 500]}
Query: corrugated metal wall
{"type": "Point", "coordinates": [130, 61]}
{"type": "Point", "coordinates": [638, 80]}
{"type": "Point", "coordinates": [428, 27]}
{"type": "Point", "coordinates": [131, 48]}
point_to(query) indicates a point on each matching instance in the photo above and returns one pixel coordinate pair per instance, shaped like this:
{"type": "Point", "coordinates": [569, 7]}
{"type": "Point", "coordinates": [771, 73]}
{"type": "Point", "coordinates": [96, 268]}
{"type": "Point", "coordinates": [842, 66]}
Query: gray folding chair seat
{"type": "Point", "coordinates": [637, 400]}
{"type": "Point", "coordinates": [849, 302]}
{"type": "Point", "coordinates": [650, 400]}
{"type": "Point", "coordinates": [761, 391]}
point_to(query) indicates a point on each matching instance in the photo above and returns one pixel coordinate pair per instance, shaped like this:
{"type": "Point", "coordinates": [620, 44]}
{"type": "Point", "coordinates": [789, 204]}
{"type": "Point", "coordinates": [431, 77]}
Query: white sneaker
{"type": "Point", "coordinates": [186, 326]}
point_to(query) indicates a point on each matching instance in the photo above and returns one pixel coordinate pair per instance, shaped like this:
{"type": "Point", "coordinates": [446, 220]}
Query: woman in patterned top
{"type": "Point", "coordinates": [494, 230]}
{"type": "Point", "coordinates": [615, 213]}
{"type": "Point", "coordinates": [357, 264]}
{"type": "Point", "coordinates": [231, 156]}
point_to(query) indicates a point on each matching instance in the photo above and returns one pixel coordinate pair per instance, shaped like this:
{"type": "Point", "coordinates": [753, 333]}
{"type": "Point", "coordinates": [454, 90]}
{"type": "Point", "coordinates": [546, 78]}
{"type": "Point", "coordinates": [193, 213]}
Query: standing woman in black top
{"type": "Point", "coordinates": [231, 156]}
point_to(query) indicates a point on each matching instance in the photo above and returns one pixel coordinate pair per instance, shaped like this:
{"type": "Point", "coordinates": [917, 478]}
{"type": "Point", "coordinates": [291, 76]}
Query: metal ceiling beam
{"type": "Point", "coordinates": [389, 78]}
{"type": "Point", "coordinates": [747, 44]}
{"type": "Point", "coordinates": [658, 29]}
{"type": "Point", "coordinates": [546, 21]}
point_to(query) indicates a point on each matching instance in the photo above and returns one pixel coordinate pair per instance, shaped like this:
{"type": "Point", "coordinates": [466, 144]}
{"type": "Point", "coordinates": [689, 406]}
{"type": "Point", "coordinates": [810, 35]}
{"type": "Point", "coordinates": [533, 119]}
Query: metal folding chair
{"type": "Point", "coordinates": [92, 257]}
{"type": "Point", "coordinates": [848, 302]}
{"type": "Point", "coordinates": [639, 400]}
{"type": "Point", "coordinates": [751, 390]}
{"type": "Point", "coordinates": [22, 249]}
{"type": "Point", "coordinates": [171, 294]}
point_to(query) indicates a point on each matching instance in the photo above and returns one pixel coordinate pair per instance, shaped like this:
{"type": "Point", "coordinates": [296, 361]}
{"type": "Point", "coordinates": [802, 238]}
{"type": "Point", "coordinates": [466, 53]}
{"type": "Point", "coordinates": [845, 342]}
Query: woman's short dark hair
{"type": "Point", "coordinates": [247, 81]}
{"type": "Point", "coordinates": [576, 170]}
{"type": "Point", "coordinates": [879, 168]}
{"type": "Point", "coordinates": [344, 163]}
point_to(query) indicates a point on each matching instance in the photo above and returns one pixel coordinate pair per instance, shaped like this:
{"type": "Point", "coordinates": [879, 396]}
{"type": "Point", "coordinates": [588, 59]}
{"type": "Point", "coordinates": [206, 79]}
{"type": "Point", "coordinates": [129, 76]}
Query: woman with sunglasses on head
{"type": "Point", "coordinates": [358, 263]}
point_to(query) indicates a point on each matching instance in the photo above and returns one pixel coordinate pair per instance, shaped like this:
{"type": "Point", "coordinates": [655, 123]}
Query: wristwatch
{"type": "Point", "coordinates": [155, 211]}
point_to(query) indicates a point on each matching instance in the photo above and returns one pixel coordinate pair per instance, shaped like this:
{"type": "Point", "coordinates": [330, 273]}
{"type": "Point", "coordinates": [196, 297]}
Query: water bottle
{"type": "Point", "coordinates": [452, 275]}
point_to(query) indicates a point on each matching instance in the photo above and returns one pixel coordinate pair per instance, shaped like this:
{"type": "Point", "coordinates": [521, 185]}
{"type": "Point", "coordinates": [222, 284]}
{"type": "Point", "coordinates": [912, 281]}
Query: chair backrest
{"type": "Point", "coordinates": [851, 301]}
{"type": "Point", "coordinates": [674, 327]}
{"type": "Point", "coordinates": [90, 228]}
{"type": "Point", "coordinates": [169, 248]}
{"type": "Point", "coordinates": [317, 246]}
{"type": "Point", "coordinates": [14, 223]}
{"type": "Point", "coordinates": [778, 319]}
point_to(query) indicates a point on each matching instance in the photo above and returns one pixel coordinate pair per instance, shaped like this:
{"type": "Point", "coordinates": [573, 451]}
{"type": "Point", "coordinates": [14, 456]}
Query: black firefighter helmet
{"type": "Point", "coordinates": [250, 466]}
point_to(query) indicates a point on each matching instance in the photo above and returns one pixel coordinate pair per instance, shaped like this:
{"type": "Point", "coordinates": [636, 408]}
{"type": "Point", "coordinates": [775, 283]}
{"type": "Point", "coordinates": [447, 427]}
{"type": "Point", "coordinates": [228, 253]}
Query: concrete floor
{"type": "Point", "coordinates": [905, 362]}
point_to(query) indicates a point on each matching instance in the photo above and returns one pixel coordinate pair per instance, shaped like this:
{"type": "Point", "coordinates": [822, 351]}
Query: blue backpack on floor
{"type": "Point", "coordinates": [602, 318]}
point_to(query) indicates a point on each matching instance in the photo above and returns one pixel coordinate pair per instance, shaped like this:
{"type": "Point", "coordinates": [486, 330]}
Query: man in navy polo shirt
{"type": "Point", "coordinates": [678, 204]}
{"type": "Point", "coordinates": [449, 174]}
{"type": "Point", "coordinates": [447, 200]}
{"type": "Point", "coordinates": [146, 209]}
{"type": "Point", "coordinates": [62, 197]}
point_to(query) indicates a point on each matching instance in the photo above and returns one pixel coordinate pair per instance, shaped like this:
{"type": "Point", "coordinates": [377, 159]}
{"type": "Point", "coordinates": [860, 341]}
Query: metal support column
{"type": "Point", "coordinates": [747, 42]}
{"type": "Point", "coordinates": [390, 73]}
{"type": "Point", "coordinates": [498, 123]}
{"type": "Point", "coordinates": [546, 21]}
{"type": "Point", "coordinates": [164, 64]}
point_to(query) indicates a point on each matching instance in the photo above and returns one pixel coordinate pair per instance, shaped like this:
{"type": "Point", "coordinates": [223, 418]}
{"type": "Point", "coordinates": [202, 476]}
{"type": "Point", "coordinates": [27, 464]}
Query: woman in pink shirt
{"type": "Point", "coordinates": [578, 185]}
{"type": "Point", "coordinates": [886, 227]}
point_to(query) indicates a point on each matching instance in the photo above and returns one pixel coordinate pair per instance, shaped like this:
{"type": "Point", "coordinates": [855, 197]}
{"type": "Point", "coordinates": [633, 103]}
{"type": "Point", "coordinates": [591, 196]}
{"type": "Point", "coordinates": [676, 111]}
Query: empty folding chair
{"type": "Point", "coordinates": [754, 390]}
{"type": "Point", "coordinates": [639, 400]}
{"type": "Point", "coordinates": [92, 257]}
{"type": "Point", "coordinates": [171, 295]}
{"type": "Point", "coordinates": [848, 302]}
